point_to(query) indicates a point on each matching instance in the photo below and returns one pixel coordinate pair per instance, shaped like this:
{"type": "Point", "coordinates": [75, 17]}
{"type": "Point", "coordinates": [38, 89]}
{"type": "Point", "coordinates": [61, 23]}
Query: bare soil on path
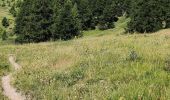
{"type": "Point", "coordinates": [9, 90]}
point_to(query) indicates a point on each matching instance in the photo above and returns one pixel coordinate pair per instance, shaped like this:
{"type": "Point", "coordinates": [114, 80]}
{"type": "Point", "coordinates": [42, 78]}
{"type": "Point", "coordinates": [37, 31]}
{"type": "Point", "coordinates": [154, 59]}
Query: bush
{"type": "Point", "coordinates": [5, 22]}
{"type": "Point", "coordinates": [133, 56]}
{"type": "Point", "coordinates": [168, 24]}
{"type": "Point", "coordinates": [4, 35]}
{"type": "Point", "coordinates": [102, 27]}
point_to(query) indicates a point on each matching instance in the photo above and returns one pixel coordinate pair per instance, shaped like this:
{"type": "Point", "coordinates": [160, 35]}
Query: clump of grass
{"type": "Point", "coordinates": [167, 65]}
{"type": "Point", "coordinates": [4, 65]}
{"type": "Point", "coordinates": [70, 78]}
{"type": "Point", "coordinates": [4, 69]}
{"type": "Point", "coordinates": [133, 56]}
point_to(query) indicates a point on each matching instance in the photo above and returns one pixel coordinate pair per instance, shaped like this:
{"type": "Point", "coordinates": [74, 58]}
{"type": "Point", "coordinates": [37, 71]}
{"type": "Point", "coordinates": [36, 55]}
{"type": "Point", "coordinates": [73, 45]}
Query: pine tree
{"type": "Point", "coordinates": [13, 11]}
{"type": "Point", "coordinates": [97, 7]}
{"type": "Point", "coordinates": [165, 5]}
{"type": "Point", "coordinates": [108, 17]}
{"type": "Point", "coordinates": [23, 19]}
{"type": "Point", "coordinates": [76, 21]}
{"type": "Point", "coordinates": [5, 22]}
{"type": "Point", "coordinates": [121, 7]}
{"type": "Point", "coordinates": [146, 16]}
{"type": "Point", "coordinates": [34, 24]}
{"type": "Point", "coordinates": [42, 16]}
{"type": "Point", "coordinates": [67, 24]}
{"type": "Point", "coordinates": [85, 14]}
{"type": "Point", "coordinates": [57, 5]}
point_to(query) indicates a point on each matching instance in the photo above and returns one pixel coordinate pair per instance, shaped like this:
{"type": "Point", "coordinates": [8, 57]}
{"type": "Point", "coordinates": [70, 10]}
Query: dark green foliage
{"type": "Point", "coordinates": [34, 24]}
{"type": "Point", "coordinates": [5, 22]}
{"type": "Point", "coordinates": [18, 3]}
{"type": "Point", "coordinates": [13, 11]}
{"type": "Point", "coordinates": [166, 12]}
{"type": "Point", "coordinates": [121, 7]}
{"type": "Point", "coordinates": [85, 14]}
{"type": "Point", "coordinates": [67, 24]}
{"type": "Point", "coordinates": [44, 20]}
{"type": "Point", "coordinates": [148, 15]}
{"type": "Point", "coordinates": [41, 15]}
{"type": "Point", "coordinates": [108, 17]}
{"type": "Point", "coordinates": [23, 18]}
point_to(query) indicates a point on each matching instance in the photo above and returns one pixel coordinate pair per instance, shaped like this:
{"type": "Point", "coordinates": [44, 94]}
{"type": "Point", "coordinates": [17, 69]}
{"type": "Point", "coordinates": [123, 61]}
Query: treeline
{"type": "Point", "coordinates": [149, 15]}
{"type": "Point", "coordinates": [44, 20]}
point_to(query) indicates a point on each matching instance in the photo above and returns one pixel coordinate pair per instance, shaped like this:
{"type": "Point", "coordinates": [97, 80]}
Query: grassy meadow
{"type": "Point", "coordinates": [4, 12]}
{"type": "Point", "coordinates": [106, 65]}
{"type": "Point", "coordinates": [102, 65]}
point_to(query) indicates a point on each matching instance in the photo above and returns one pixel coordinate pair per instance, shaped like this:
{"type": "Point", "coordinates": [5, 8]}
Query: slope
{"type": "Point", "coordinates": [109, 66]}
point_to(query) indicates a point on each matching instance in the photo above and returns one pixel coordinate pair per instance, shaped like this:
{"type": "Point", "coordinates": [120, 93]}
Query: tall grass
{"type": "Point", "coordinates": [101, 65]}
{"type": "Point", "coordinates": [4, 69]}
{"type": "Point", "coordinates": [112, 66]}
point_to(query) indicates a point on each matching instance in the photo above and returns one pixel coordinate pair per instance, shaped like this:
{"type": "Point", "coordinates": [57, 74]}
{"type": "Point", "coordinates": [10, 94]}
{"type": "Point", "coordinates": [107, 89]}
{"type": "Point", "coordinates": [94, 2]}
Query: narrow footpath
{"type": "Point", "coordinates": [8, 89]}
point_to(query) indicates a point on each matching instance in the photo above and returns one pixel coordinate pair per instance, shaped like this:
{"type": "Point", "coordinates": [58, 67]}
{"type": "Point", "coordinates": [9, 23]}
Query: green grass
{"type": "Point", "coordinates": [4, 12]}
{"type": "Point", "coordinates": [111, 66]}
{"type": "Point", "coordinates": [119, 28]}
{"type": "Point", "coordinates": [4, 69]}
{"type": "Point", "coordinates": [101, 65]}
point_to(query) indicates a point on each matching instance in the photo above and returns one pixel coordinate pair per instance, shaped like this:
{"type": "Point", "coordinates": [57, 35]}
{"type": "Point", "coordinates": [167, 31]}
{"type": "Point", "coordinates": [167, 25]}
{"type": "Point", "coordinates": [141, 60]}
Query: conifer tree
{"type": "Point", "coordinates": [34, 24]}
{"type": "Point", "coordinates": [85, 14]}
{"type": "Point", "coordinates": [67, 24]}
{"type": "Point", "coordinates": [57, 5]}
{"type": "Point", "coordinates": [76, 21]}
{"type": "Point", "coordinates": [165, 5]}
{"type": "Point", "coordinates": [146, 16]}
{"type": "Point", "coordinates": [43, 20]}
{"type": "Point", "coordinates": [5, 22]}
{"type": "Point", "coordinates": [108, 17]}
{"type": "Point", "coordinates": [121, 6]}
{"type": "Point", "coordinates": [42, 16]}
{"type": "Point", "coordinates": [13, 11]}
{"type": "Point", "coordinates": [23, 18]}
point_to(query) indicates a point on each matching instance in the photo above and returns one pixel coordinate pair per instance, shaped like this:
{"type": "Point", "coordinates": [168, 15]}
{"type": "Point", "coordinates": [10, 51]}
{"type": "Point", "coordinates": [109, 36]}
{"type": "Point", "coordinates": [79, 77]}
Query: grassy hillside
{"type": "Point", "coordinates": [101, 65]}
{"type": "Point", "coordinates": [107, 66]}
{"type": "Point", "coordinates": [4, 12]}
{"type": "Point", "coordinates": [119, 29]}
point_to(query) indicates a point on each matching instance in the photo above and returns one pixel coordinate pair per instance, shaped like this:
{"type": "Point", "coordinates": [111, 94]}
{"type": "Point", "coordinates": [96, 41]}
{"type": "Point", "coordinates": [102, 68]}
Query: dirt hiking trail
{"type": "Point", "coordinates": [9, 90]}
